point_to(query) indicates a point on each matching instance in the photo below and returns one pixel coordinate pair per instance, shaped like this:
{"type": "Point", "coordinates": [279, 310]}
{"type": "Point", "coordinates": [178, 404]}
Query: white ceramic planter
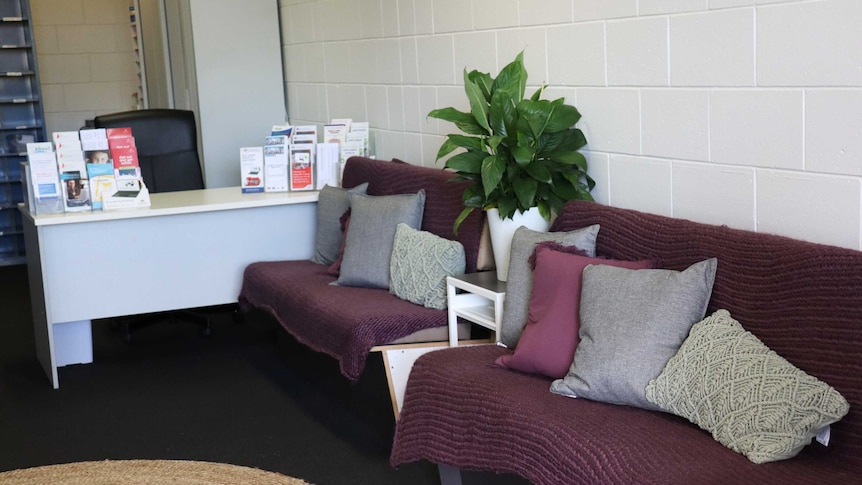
{"type": "Point", "coordinates": [503, 230]}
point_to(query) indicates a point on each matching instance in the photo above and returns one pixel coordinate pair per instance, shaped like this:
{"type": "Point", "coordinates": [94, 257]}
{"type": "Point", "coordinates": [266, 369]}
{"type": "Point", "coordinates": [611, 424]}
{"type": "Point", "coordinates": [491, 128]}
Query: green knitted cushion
{"type": "Point", "coordinates": [725, 380]}
{"type": "Point", "coordinates": [419, 265]}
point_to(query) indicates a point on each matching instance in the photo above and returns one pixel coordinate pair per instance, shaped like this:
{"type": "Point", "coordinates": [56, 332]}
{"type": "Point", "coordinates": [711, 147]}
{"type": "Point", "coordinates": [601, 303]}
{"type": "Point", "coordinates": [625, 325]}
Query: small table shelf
{"type": "Point", "coordinates": [477, 298]}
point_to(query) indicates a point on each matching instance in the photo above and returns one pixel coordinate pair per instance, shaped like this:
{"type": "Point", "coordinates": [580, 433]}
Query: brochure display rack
{"type": "Point", "coordinates": [21, 120]}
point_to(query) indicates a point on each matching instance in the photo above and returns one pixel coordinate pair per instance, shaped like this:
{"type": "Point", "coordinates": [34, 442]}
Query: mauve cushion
{"type": "Point", "coordinates": [548, 344]}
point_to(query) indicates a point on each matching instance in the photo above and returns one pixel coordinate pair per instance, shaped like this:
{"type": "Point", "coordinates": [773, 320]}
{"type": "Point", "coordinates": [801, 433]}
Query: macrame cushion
{"type": "Point", "coordinates": [725, 380]}
{"type": "Point", "coordinates": [420, 263]}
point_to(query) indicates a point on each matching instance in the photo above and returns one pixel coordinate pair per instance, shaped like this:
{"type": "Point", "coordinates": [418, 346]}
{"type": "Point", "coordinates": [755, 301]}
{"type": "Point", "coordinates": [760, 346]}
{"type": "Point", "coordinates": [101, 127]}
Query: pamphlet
{"type": "Point", "coordinates": [102, 182]}
{"type": "Point", "coordinates": [282, 130]}
{"type": "Point", "coordinates": [44, 178]}
{"type": "Point", "coordinates": [275, 164]}
{"type": "Point", "coordinates": [304, 134]}
{"type": "Point", "coordinates": [328, 172]}
{"type": "Point", "coordinates": [351, 149]}
{"type": "Point", "coordinates": [301, 167]}
{"type": "Point", "coordinates": [123, 152]}
{"type": "Point", "coordinates": [94, 139]}
{"type": "Point", "coordinates": [76, 192]}
{"type": "Point", "coordinates": [71, 161]}
{"type": "Point", "coordinates": [251, 168]}
{"type": "Point", "coordinates": [347, 122]}
{"type": "Point", "coordinates": [334, 133]}
{"type": "Point", "coordinates": [359, 132]}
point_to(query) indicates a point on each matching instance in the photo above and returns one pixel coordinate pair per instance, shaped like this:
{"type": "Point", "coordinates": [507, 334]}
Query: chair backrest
{"type": "Point", "coordinates": [167, 145]}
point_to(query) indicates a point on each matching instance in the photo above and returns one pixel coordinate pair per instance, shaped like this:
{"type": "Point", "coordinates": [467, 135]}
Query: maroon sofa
{"type": "Point", "coordinates": [346, 322]}
{"type": "Point", "coordinates": [801, 299]}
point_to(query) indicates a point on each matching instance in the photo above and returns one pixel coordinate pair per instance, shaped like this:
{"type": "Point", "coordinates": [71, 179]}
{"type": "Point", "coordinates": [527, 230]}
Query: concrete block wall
{"type": "Point", "coordinates": [85, 57]}
{"type": "Point", "coordinates": [736, 112]}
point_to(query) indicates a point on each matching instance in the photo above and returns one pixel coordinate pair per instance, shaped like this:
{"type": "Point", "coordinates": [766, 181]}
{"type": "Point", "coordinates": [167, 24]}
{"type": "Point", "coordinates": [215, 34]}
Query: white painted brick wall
{"type": "Point", "coordinates": [736, 112]}
{"type": "Point", "coordinates": [85, 58]}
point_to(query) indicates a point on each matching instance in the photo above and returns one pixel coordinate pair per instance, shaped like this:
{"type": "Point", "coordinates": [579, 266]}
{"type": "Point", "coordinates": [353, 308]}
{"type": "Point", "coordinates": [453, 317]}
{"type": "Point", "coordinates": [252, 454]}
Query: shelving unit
{"type": "Point", "coordinates": [477, 298]}
{"type": "Point", "coordinates": [139, 97]}
{"type": "Point", "coordinates": [21, 120]}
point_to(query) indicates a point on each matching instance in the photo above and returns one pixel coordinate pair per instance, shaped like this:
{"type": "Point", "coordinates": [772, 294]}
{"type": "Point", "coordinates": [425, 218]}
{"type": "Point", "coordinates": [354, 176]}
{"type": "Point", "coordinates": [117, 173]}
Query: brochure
{"type": "Point", "coordinates": [76, 192]}
{"type": "Point", "coordinates": [304, 134]}
{"type": "Point", "coordinates": [301, 167]}
{"type": "Point", "coordinates": [275, 164]}
{"type": "Point", "coordinates": [282, 130]}
{"type": "Point", "coordinates": [352, 149]}
{"type": "Point", "coordinates": [251, 169]}
{"type": "Point", "coordinates": [123, 152]}
{"type": "Point", "coordinates": [328, 172]}
{"type": "Point", "coordinates": [69, 161]}
{"type": "Point", "coordinates": [44, 178]}
{"type": "Point", "coordinates": [102, 182]}
{"type": "Point", "coordinates": [334, 133]}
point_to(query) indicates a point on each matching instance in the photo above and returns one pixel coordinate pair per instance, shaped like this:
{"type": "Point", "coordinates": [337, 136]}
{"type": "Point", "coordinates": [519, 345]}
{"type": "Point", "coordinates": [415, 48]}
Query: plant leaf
{"type": "Point", "coordinates": [539, 172]}
{"type": "Point", "coordinates": [468, 142]}
{"type": "Point", "coordinates": [468, 162]}
{"type": "Point", "coordinates": [458, 220]}
{"type": "Point", "coordinates": [538, 94]}
{"type": "Point", "coordinates": [525, 191]}
{"type": "Point", "coordinates": [494, 142]}
{"type": "Point", "coordinates": [507, 207]}
{"type": "Point", "coordinates": [464, 121]}
{"type": "Point", "coordinates": [512, 78]}
{"type": "Point", "coordinates": [562, 117]}
{"type": "Point", "coordinates": [478, 103]}
{"type": "Point", "coordinates": [493, 168]}
{"type": "Point", "coordinates": [522, 155]}
{"type": "Point", "coordinates": [569, 158]}
{"type": "Point", "coordinates": [573, 139]}
{"type": "Point", "coordinates": [503, 113]}
{"type": "Point", "coordinates": [536, 114]}
{"type": "Point", "coordinates": [484, 81]}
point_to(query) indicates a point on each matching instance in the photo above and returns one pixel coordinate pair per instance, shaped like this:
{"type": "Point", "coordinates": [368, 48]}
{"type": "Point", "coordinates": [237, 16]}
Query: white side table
{"type": "Point", "coordinates": [477, 298]}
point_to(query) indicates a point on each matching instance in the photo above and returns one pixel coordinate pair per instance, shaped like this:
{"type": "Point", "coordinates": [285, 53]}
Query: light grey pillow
{"type": "Point", "coordinates": [332, 203]}
{"type": "Point", "coordinates": [632, 323]}
{"type": "Point", "coordinates": [520, 281]}
{"type": "Point", "coordinates": [725, 380]}
{"type": "Point", "coordinates": [420, 263]}
{"type": "Point", "coordinates": [368, 243]}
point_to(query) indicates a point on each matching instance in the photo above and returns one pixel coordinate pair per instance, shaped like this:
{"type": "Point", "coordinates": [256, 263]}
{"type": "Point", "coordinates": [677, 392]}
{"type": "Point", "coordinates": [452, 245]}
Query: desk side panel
{"type": "Point", "coordinates": [131, 266]}
{"type": "Point", "coordinates": [42, 332]}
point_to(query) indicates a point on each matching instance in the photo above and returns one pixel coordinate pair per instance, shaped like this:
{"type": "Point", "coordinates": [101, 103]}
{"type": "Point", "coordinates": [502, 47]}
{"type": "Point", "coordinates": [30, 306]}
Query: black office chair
{"type": "Point", "coordinates": [167, 144]}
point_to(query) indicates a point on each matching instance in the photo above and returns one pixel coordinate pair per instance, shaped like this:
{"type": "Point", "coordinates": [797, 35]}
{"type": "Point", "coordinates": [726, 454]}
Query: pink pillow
{"type": "Point", "coordinates": [335, 268]}
{"type": "Point", "coordinates": [550, 336]}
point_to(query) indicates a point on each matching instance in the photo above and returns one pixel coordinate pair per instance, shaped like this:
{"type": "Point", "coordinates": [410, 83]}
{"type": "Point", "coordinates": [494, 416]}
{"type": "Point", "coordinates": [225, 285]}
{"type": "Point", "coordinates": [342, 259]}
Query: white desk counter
{"type": "Point", "coordinates": [187, 250]}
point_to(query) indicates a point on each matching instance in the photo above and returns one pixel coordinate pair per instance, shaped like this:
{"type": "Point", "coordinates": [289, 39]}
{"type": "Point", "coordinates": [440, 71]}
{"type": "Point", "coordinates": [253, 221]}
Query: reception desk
{"type": "Point", "coordinates": [187, 250]}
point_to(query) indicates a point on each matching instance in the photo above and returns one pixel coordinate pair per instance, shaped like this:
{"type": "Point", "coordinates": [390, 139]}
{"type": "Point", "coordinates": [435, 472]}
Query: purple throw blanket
{"type": "Point", "coordinates": [341, 321]}
{"type": "Point", "coordinates": [347, 322]}
{"type": "Point", "coordinates": [803, 300]}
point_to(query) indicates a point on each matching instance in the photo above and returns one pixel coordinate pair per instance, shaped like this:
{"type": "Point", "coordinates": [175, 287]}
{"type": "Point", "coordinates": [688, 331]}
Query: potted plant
{"type": "Point", "coordinates": [520, 153]}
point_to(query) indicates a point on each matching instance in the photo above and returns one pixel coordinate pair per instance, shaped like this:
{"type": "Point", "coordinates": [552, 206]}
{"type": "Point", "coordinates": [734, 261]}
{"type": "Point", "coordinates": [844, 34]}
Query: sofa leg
{"type": "Point", "coordinates": [449, 475]}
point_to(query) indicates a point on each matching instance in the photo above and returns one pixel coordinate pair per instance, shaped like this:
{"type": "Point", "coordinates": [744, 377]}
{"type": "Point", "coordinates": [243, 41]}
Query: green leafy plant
{"type": "Point", "coordinates": [520, 153]}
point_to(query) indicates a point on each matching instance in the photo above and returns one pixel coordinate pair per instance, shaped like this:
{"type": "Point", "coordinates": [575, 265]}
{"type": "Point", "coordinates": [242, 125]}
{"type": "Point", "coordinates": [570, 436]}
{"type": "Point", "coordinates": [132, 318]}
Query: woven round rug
{"type": "Point", "coordinates": [144, 472]}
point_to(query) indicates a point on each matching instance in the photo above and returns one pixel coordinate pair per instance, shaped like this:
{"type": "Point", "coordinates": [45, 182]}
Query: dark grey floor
{"type": "Point", "coordinates": [248, 395]}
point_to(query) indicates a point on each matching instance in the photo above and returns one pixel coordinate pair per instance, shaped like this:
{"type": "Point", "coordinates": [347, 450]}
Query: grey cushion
{"type": "Point", "coordinates": [331, 204]}
{"type": "Point", "coordinates": [368, 243]}
{"type": "Point", "coordinates": [725, 380]}
{"type": "Point", "coordinates": [632, 323]}
{"type": "Point", "coordinates": [520, 279]}
{"type": "Point", "coordinates": [419, 265]}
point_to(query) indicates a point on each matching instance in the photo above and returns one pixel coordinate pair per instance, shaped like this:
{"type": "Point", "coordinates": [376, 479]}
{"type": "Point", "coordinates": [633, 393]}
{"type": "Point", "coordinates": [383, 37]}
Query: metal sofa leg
{"type": "Point", "coordinates": [449, 475]}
